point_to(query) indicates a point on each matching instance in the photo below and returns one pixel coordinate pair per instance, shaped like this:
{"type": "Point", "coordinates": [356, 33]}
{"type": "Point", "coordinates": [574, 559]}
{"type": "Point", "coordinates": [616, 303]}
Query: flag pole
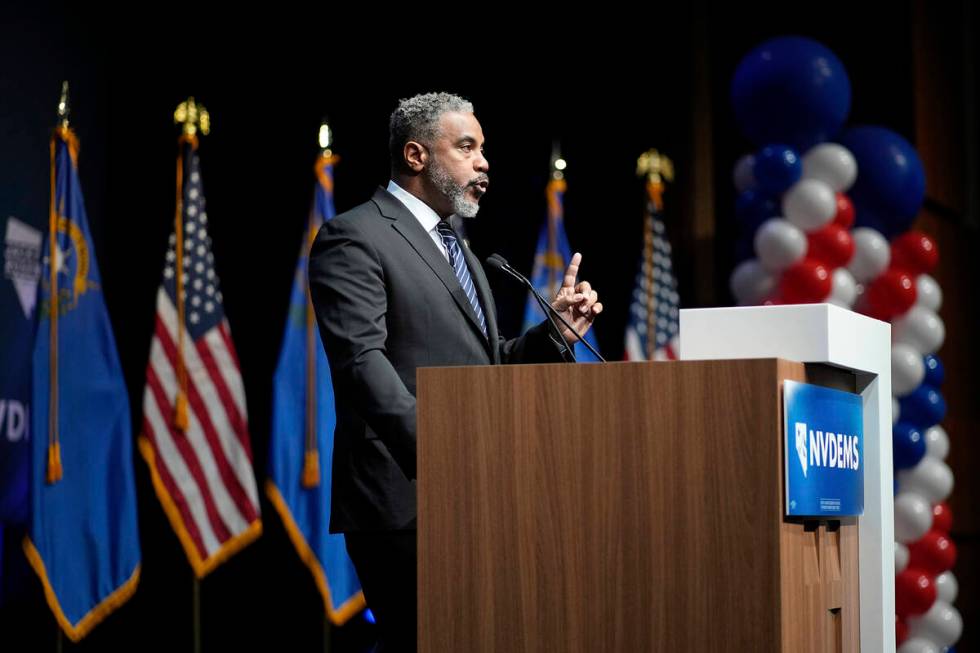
{"type": "Point", "coordinates": [54, 469]}
{"type": "Point", "coordinates": [311, 455]}
{"type": "Point", "coordinates": [197, 613]}
{"type": "Point", "coordinates": [54, 459]}
{"type": "Point", "coordinates": [192, 118]}
{"type": "Point", "coordinates": [325, 140]}
{"type": "Point", "coordinates": [656, 168]}
{"type": "Point", "coordinates": [556, 184]}
{"type": "Point", "coordinates": [326, 633]}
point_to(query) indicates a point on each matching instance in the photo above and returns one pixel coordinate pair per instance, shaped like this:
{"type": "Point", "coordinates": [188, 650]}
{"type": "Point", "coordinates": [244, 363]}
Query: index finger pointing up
{"type": "Point", "coordinates": [572, 272]}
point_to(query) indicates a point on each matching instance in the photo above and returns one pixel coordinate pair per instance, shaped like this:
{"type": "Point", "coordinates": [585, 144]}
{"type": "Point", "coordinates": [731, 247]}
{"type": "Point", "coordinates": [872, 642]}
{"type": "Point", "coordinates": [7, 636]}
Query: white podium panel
{"type": "Point", "coordinates": [828, 334]}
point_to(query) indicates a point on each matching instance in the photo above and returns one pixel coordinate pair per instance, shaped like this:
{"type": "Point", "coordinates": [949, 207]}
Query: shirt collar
{"type": "Point", "coordinates": [422, 211]}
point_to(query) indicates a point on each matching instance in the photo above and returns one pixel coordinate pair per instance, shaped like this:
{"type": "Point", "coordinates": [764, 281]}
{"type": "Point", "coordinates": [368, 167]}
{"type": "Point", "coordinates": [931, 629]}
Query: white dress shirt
{"type": "Point", "coordinates": [423, 213]}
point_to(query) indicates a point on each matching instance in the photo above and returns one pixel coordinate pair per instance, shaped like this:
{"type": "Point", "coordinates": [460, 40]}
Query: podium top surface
{"type": "Point", "coordinates": [808, 333]}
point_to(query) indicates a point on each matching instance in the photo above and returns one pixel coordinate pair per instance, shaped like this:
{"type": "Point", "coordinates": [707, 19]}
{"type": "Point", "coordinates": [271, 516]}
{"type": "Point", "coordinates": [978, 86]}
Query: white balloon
{"type": "Point", "coordinates": [947, 587]}
{"type": "Point", "coordinates": [908, 369]}
{"type": "Point", "coordinates": [896, 411]}
{"type": "Point", "coordinates": [901, 557]}
{"type": "Point", "coordinates": [931, 478]}
{"type": "Point", "coordinates": [744, 173]}
{"type": "Point", "coordinates": [751, 283]}
{"type": "Point", "coordinates": [779, 244]}
{"type": "Point", "coordinates": [937, 442]}
{"type": "Point", "coordinates": [832, 164]}
{"type": "Point", "coordinates": [871, 254]}
{"type": "Point", "coordinates": [941, 624]}
{"type": "Point", "coordinates": [921, 328]}
{"type": "Point", "coordinates": [928, 293]}
{"type": "Point", "coordinates": [809, 204]}
{"type": "Point", "coordinates": [913, 517]}
{"type": "Point", "coordinates": [843, 290]}
{"type": "Point", "coordinates": [918, 645]}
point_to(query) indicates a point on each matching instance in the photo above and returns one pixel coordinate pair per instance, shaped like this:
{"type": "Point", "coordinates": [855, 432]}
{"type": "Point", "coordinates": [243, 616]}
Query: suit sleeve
{"type": "Point", "coordinates": [538, 345]}
{"type": "Point", "coordinates": [347, 287]}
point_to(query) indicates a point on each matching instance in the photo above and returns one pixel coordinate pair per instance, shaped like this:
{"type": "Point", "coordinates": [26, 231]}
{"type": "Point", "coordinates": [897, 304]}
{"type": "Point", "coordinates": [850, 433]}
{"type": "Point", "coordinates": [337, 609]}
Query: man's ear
{"type": "Point", "coordinates": [416, 156]}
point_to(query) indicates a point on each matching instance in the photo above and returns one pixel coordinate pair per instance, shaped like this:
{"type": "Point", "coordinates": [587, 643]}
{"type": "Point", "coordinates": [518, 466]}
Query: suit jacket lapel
{"type": "Point", "coordinates": [405, 224]}
{"type": "Point", "coordinates": [486, 298]}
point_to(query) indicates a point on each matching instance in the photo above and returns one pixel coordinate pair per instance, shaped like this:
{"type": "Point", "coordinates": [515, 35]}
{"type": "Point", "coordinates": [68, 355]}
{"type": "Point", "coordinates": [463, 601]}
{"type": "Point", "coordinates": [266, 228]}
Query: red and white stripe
{"type": "Point", "coordinates": [207, 469]}
{"type": "Point", "coordinates": [635, 352]}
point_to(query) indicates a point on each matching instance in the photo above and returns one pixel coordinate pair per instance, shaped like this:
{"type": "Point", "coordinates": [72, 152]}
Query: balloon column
{"type": "Point", "coordinates": [824, 214]}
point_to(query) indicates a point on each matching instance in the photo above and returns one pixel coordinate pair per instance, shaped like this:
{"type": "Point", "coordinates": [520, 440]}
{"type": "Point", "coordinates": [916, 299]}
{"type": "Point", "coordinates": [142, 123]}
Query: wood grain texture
{"type": "Point", "coordinates": [819, 570]}
{"type": "Point", "coordinates": [618, 507]}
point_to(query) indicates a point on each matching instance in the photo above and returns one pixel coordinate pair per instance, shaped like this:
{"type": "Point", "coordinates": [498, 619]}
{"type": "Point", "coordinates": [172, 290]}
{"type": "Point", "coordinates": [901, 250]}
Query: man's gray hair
{"type": "Point", "coordinates": [417, 119]}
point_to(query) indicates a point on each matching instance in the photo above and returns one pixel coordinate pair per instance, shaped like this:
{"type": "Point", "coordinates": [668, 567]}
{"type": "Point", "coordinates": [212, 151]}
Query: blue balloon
{"type": "Point", "coordinates": [924, 407]}
{"type": "Point", "coordinates": [908, 445]}
{"type": "Point", "coordinates": [791, 90]}
{"type": "Point", "coordinates": [935, 372]}
{"type": "Point", "coordinates": [777, 167]}
{"type": "Point", "coordinates": [752, 208]}
{"type": "Point", "coordinates": [891, 181]}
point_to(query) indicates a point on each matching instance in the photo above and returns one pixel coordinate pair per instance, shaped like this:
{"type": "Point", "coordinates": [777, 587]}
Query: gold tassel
{"type": "Point", "coordinates": [180, 401]}
{"type": "Point", "coordinates": [311, 469]}
{"type": "Point", "coordinates": [54, 463]}
{"type": "Point", "coordinates": [311, 459]}
{"type": "Point", "coordinates": [180, 411]}
{"type": "Point", "coordinates": [55, 471]}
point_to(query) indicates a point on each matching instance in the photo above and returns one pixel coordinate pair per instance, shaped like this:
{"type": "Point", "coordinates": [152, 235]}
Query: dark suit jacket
{"type": "Point", "coordinates": [387, 302]}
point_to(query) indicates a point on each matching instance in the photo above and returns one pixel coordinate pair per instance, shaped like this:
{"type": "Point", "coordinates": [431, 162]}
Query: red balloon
{"type": "Point", "coordinates": [806, 282]}
{"type": "Point", "coordinates": [845, 211]}
{"type": "Point", "coordinates": [915, 252]}
{"type": "Point", "coordinates": [901, 630]}
{"type": "Point", "coordinates": [933, 554]}
{"type": "Point", "coordinates": [914, 593]}
{"type": "Point", "coordinates": [942, 518]}
{"type": "Point", "coordinates": [891, 294]}
{"type": "Point", "coordinates": [831, 245]}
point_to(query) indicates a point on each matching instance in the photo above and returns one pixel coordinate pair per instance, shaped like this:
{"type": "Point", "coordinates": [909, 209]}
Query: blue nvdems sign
{"type": "Point", "coordinates": [824, 446]}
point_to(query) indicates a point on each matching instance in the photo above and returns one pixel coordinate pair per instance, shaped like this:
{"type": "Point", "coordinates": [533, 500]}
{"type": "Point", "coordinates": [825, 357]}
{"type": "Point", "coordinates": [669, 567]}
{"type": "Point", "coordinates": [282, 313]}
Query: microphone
{"type": "Point", "coordinates": [498, 262]}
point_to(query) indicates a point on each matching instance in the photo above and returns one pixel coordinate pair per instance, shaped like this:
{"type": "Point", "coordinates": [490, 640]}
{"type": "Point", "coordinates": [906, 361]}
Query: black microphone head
{"type": "Point", "coordinates": [497, 262]}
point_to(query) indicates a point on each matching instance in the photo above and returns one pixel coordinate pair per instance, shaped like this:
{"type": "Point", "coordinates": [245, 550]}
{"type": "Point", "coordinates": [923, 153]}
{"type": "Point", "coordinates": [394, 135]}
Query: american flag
{"type": "Point", "coordinates": [199, 453]}
{"type": "Point", "coordinates": [654, 309]}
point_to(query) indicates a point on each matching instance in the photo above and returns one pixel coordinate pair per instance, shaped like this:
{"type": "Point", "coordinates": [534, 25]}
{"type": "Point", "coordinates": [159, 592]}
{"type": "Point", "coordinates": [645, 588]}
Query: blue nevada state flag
{"type": "Point", "coordinates": [301, 446]}
{"type": "Point", "coordinates": [83, 540]}
{"type": "Point", "coordinates": [550, 261]}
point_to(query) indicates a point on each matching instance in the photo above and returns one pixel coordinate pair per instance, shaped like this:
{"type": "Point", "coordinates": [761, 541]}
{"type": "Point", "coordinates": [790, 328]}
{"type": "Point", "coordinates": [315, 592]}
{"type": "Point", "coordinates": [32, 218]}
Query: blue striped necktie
{"type": "Point", "coordinates": [462, 272]}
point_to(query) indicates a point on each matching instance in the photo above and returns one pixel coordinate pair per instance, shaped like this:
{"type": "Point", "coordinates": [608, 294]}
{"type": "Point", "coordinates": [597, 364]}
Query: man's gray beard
{"type": "Point", "coordinates": [456, 194]}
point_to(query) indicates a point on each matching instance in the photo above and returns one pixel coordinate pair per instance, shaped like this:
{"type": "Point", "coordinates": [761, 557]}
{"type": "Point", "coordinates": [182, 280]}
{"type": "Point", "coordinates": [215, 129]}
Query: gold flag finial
{"type": "Point", "coordinates": [657, 169]}
{"type": "Point", "coordinates": [193, 117]}
{"type": "Point", "coordinates": [655, 166]}
{"type": "Point", "coordinates": [325, 139]}
{"type": "Point", "coordinates": [64, 107]}
{"type": "Point", "coordinates": [558, 164]}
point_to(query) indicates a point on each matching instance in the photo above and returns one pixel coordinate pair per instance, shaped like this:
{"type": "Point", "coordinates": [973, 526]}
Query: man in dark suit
{"type": "Point", "coordinates": [394, 289]}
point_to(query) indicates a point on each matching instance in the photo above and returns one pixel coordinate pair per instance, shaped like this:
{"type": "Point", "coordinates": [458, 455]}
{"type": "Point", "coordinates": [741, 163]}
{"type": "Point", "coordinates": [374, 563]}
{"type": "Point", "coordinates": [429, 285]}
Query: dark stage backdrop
{"type": "Point", "coordinates": [607, 87]}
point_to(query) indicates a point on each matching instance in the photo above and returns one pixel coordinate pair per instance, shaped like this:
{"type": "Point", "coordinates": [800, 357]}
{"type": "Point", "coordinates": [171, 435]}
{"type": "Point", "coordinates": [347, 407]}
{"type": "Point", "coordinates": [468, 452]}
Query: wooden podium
{"type": "Point", "coordinates": [626, 507]}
